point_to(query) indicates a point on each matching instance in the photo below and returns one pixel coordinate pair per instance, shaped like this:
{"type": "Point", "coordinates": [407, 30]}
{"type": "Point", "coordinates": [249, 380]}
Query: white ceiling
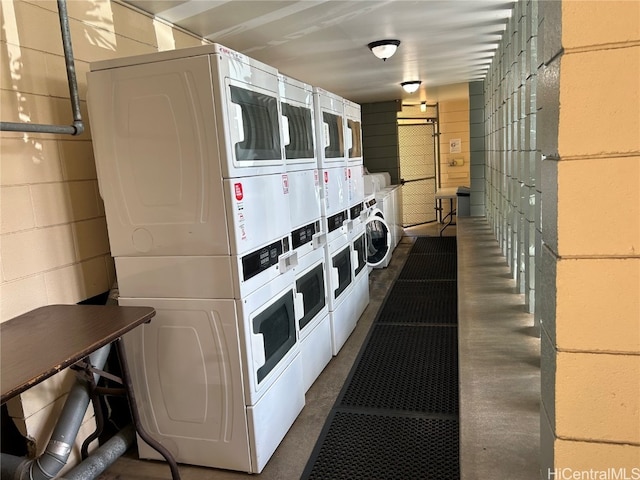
{"type": "Point", "coordinates": [324, 42]}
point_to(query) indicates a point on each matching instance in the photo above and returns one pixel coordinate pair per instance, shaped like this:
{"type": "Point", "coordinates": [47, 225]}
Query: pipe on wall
{"type": "Point", "coordinates": [78, 126]}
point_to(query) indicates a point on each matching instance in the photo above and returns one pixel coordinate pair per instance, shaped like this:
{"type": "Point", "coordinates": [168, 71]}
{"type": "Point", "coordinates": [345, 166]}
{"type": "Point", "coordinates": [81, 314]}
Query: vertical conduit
{"type": "Point", "coordinates": [77, 127]}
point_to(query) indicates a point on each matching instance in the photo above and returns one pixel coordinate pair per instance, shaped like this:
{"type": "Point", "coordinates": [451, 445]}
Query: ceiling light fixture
{"type": "Point", "coordinates": [411, 86]}
{"type": "Point", "coordinates": [383, 49]}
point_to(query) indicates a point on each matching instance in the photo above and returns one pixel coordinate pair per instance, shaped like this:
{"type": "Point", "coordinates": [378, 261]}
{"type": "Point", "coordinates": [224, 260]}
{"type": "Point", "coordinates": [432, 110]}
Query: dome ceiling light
{"type": "Point", "coordinates": [384, 49]}
{"type": "Point", "coordinates": [411, 86]}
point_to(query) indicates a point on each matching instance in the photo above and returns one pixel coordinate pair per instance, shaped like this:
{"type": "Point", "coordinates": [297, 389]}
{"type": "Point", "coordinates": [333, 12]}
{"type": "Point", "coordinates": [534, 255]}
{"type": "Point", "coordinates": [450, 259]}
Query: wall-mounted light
{"type": "Point", "coordinates": [411, 86]}
{"type": "Point", "coordinates": [383, 49]}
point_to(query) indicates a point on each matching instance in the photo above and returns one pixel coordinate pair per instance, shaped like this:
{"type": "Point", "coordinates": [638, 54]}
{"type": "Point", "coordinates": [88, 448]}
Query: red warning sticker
{"type": "Point", "coordinates": [285, 184]}
{"type": "Point", "coordinates": [238, 190]}
{"type": "Point", "coordinates": [326, 177]}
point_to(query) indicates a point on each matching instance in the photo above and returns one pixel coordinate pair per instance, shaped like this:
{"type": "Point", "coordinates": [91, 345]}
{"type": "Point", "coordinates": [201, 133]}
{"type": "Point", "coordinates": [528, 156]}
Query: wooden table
{"type": "Point", "coordinates": [40, 343]}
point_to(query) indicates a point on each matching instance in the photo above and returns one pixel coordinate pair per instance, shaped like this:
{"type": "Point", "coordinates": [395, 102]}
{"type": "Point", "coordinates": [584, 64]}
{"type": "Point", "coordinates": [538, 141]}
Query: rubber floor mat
{"type": "Point", "coordinates": [429, 267]}
{"type": "Point", "coordinates": [421, 302]}
{"type": "Point", "coordinates": [380, 447]}
{"type": "Point", "coordinates": [434, 246]}
{"type": "Point", "coordinates": [397, 414]}
{"type": "Point", "coordinates": [408, 368]}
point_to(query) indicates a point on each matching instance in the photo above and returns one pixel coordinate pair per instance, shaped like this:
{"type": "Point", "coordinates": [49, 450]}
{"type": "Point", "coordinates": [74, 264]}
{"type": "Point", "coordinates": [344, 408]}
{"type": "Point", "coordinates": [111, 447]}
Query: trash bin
{"type": "Point", "coordinates": [464, 202]}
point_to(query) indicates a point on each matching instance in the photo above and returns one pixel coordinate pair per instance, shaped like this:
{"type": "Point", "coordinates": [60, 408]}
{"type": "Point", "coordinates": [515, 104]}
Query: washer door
{"type": "Point", "coordinates": [378, 240]}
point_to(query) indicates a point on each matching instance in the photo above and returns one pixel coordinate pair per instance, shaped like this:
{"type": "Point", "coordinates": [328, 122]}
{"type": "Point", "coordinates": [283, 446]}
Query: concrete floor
{"type": "Point", "coordinates": [499, 374]}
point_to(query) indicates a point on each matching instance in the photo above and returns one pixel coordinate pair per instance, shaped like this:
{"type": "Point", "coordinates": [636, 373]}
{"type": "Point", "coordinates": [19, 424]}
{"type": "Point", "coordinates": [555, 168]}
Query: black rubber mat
{"type": "Point", "coordinates": [434, 246]}
{"type": "Point", "coordinates": [421, 302]}
{"type": "Point", "coordinates": [429, 267]}
{"type": "Point", "coordinates": [408, 368]}
{"type": "Point", "coordinates": [379, 447]}
{"type": "Point", "coordinates": [397, 415]}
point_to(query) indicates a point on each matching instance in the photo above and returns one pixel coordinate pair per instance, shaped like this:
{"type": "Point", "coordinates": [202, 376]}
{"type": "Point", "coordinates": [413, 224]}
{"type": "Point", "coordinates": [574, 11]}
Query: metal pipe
{"type": "Point", "coordinates": [55, 456]}
{"type": "Point", "coordinates": [78, 126]}
{"type": "Point", "coordinates": [103, 457]}
{"type": "Point", "coordinates": [12, 467]}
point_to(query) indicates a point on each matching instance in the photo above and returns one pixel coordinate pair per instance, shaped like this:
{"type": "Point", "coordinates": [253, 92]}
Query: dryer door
{"type": "Point", "coordinates": [378, 240]}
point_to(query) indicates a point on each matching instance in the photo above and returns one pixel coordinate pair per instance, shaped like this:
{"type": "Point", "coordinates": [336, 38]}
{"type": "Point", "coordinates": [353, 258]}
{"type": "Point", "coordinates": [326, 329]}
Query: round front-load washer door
{"type": "Point", "coordinates": [378, 239]}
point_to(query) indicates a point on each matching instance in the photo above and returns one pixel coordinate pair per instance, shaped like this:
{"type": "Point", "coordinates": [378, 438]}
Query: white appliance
{"type": "Point", "coordinates": [329, 115]}
{"type": "Point", "coordinates": [360, 269]}
{"type": "Point", "coordinates": [334, 192]}
{"type": "Point", "coordinates": [339, 257]}
{"type": "Point", "coordinates": [217, 379]}
{"type": "Point", "coordinates": [373, 183]}
{"type": "Point", "coordinates": [308, 234]}
{"type": "Point", "coordinates": [353, 133]}
{"type": "Point", "coordinates": [378, 235]}
{"type": "Point", "coordinates": [191, 168]}
{"type": "Point", "coordinates": [382, 231]}
{"type": "Point", "coordinates": [385, 204]}
{"type": "Point", "coordinates": [312, 315]}
{"type": "Point", "coordinates": [357, 238]}
{"type": "Point", "coordinates": [298, 124]}
{"type": "Point", "coordinates": [355, 185]}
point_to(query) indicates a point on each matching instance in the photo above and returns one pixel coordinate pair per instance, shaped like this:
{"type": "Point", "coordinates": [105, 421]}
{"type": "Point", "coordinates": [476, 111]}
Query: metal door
{"type": "Point", "coordinates": [418, 170]}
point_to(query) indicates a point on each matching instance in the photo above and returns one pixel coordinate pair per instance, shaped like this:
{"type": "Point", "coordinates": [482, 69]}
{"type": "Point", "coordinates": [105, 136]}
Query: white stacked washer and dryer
{"type": "Point", "coordinates": [192, 173]}
{"type": "Point", "coordinates": [329, 114]}
{"type": "Point", "coordinates": [235, 207]}
{"type": "Point", "coordinates": [307, 229]}
{"type": "Point", "coordinates": [357, 210]}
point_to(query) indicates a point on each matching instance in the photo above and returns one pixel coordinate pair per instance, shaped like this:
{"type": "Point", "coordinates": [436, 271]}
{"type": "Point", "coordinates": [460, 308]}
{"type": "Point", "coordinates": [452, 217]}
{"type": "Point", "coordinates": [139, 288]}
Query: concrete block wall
{"type": "Point", "coordinates": [589, 135]}
{"type": "Point", "coordinates": [53, 238]}
{"type": "Point", "coordinates": [512, 156]}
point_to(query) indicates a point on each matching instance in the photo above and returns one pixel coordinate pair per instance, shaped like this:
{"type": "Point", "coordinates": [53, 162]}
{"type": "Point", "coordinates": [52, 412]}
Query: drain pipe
{"type": "Point", "coordinates": [55, 456]}
{"type": "Point", "coordinates": [77, 127]}
{"type": "Point", "coordinates": [104, 456]}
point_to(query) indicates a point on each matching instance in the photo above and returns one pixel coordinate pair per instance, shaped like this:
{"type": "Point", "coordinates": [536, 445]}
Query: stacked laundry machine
{"type": "Point", "coordinates": [190, 163]}
{"type": "Point", "coordinates": [235, 207]}
{"type": "Point", "coordinates": [307, 227]}
{"type": "Point", "coordinates": [356, 205]}
{"type": "Point", "coordinates": [332, 163]}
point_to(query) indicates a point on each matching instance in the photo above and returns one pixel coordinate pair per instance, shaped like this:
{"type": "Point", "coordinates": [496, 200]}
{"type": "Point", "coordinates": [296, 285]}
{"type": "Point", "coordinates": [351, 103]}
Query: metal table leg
{"type": "Point", "coordinates": [126, 377]}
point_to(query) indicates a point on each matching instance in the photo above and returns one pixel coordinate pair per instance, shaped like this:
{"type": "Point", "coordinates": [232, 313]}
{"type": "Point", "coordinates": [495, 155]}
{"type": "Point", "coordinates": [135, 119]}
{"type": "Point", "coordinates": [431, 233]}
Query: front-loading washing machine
{"type": "Point", "coordinates": [379, 240]}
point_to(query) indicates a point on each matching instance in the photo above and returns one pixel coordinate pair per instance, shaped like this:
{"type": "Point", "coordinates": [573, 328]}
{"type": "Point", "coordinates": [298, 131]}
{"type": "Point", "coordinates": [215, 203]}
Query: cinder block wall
{"type": "Point", "coordinates": [562, 184]}
{"type": "Point", "coordinates": [589, 134]}
{"type": "Point", "coordinates": [53, 245]}
{"type": "Point", "coordinates": [512, 164]}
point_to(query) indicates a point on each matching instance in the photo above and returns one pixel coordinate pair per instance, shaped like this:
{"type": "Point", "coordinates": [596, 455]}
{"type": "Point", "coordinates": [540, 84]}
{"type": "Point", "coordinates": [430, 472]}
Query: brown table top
{"type": "Point", "coordinates": [42, 342]}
